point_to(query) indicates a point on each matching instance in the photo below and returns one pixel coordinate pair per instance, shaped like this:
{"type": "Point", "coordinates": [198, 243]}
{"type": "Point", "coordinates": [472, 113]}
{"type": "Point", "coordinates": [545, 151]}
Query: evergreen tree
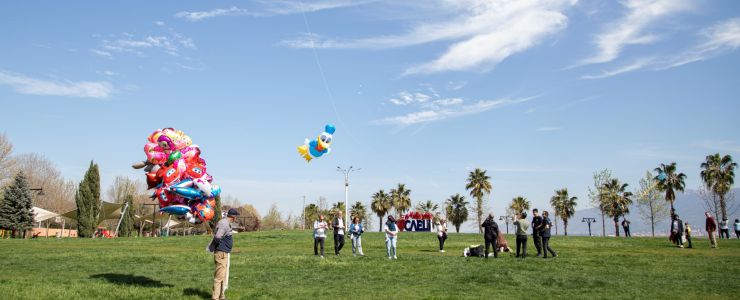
{"type": "Point", "coordinates": [127, 223]}
{"type": "Point", "coordinates": [15, 210]}
{"type": "Point", "coordinates": [88, 202]}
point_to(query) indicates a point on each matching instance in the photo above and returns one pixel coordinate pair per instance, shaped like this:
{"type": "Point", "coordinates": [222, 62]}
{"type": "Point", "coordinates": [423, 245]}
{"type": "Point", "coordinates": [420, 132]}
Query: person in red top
{"type": "Point", "coordinates": [711, 228]}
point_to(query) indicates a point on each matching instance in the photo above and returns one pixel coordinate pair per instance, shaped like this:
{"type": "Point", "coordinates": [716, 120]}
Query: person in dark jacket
{"type": "Point", "coordinates": [537, 231]}
{"type": "Point", "coordinates": [677, 230]}
{"type": "Point", "coordinates": [626, 226]}
{"type": "Point", "coordinates": [490, 234]}
{"type": "Point", "coordinates": [221, 247]}
{"type": "Point", "coordinates": [711, 227]}
{"type": "Point", "coordinates": [546, 226]}
{"type": "Point", "coordinates": [338, 233]}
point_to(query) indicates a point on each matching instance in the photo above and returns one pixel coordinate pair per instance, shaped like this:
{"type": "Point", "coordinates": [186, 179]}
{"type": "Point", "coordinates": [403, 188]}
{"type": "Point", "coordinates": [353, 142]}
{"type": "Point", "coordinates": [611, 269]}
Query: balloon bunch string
{"type": "Point", "coordinates": [323, 76]}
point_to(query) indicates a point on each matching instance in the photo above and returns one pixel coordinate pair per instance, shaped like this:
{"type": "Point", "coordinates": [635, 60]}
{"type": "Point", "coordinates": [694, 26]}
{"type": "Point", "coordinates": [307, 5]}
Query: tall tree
{"type": "Point", "coordinates": [381, 205]}
{"type": "Point", "coordinates": [6, 160]}
{"type": "Point", "coordinates": [519, 204]}
{"type": "Point", "coordinates": [649, 201]}
{"type": "Point", "coordinates": [669, 181]}
{"type": "Point", "coordinates": [564, 205]}
{"type": "Point", "coordinates": [401, 197]}
{"type": "Point", "coordinates": [338, 207]}
{"type": "Point", "coordinates": [88, 202]}
{"type": "Point", "coordinates": [15, 209]}
{"type": "Point", "coordinates": [457, 210]}
{"type": "Point", "coordinates": [310, 214]}
{"type": "Point", "coordinates": [358, 210]}
{"type": "Point", "coordinates": [718, 174]}
{"type": "Point", "coordinates": [595, 192]}
{"type": "Point", "coordinates": [273, 219]}
{"type": "Point", "coordinates": [479, 185]}
{"type": "Point", "coordinates": [427, 206]}
{"type": "Point", "coordinates": [617, 201]}
{"type": "Point", "coordinates": [127, 220]}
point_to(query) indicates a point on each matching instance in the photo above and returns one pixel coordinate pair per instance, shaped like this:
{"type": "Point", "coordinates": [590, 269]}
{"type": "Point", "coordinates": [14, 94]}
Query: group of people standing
{"type": "Point", "coordinates": [681, 231]}
{"type": "Point", "coordinates": [355, 231]}
{"type": "Point", "coordinates": [541, 234]}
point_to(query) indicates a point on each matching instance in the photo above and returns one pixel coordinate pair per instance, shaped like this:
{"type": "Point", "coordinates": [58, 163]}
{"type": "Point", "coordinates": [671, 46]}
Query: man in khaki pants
{"type": "Point", "coordinates": [221, 247]}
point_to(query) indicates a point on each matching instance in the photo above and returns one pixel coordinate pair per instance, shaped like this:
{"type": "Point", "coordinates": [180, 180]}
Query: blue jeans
{"type": "Point", "coordinates": [357, 244]}
{"type": "Point", "coordinates": [390, 245]}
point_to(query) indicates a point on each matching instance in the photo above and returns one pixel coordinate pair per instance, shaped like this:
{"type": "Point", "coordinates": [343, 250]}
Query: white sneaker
{"type": "Point", "coordinates": [390, 257]}
{"type": "Point", "coordinates": [394, 257]}
{"type": "Point", "coordinates": [442, 251]}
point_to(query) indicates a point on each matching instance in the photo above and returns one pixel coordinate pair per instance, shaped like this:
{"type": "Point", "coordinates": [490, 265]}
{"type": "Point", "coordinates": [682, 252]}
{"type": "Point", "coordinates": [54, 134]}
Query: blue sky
{"type": "Point", "coordinates": [539, 93]}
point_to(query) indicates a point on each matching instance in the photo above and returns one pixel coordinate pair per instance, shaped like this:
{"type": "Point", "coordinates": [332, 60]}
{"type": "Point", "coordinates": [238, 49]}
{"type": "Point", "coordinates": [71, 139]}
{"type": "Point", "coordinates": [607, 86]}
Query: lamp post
{"type": "Point", "coordinates": [346, 191]}
{"type": "Point", "coordinates": [506, 220]}
{"type": "Point", "coordinates": [589, 221]}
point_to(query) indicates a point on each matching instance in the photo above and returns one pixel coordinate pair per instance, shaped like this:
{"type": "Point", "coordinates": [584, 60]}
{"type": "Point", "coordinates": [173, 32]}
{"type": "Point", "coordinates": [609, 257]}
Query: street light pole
{"type": "Point", "coordinates": [346, 191]}
{"type": "Point", "coordinates": [589, 221]}
{"type": "Point", "coordinates": [505, 219]}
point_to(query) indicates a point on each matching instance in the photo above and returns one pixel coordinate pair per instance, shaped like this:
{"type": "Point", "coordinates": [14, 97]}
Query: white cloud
{"type": "Point", "coordinates": [717, 39]}
{"type": "Point", "coordinates": [202, 15]}
{"type": "Point", "coordinates": [456, 85]}
{"type": "Point", "coordinates": [167, 42]}
{"type": "Point", "coordinates": [102, 53]}
{"type": "Point", "coordinates": [406, 98]}
{"type": "Point", "coordinates": [446, 112]}
{"type": "Point", "coordinates": [638, 64]}
{"type": "Point", "coordinates": [284, 7]}
{"type": "Point", "coordinates": [720, 145]}
{"type": "Point", "coordinates": [486, 33]}
{"type": "Point", "coordinates": [630, 29]}
{"type": "Point", "coordinates": [548, 129]}
{"type": "Point", "coordinates": [32, 86]}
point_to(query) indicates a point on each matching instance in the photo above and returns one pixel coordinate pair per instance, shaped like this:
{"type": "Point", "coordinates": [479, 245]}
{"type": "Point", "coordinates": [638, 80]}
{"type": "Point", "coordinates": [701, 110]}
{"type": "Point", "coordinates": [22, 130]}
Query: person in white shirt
{"type": "Point", "coordinates": [319, 235]}
{"type": "Point", "coordinates": [391, 235]}
{"type": "Point", "coordinates": [441, 233]}
{"type": "Point", "coordinates": [338, 225]}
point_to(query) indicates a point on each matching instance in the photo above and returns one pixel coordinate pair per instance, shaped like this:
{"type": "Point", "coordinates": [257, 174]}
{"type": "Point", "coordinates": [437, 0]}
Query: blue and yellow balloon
{"type": "Point", "coordinates": [318, 147]}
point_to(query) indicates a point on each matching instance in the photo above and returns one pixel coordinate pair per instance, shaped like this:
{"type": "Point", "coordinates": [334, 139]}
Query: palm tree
{"type": "Point", "coordinates": [457, 210]}
{"type": "Point", "coordinates": [564, 205]}
{"type": "Point", "coordinates": [519, 205]}
{"type": "Point", "coordinates": [310, 214]}
{"type": "Point", "coordinates": [479, 185]}
{"type": "Point", "coordinates": [427, 206]}
{"type": "Point", "coordinates": [338, 207]}
{"type": "Point", "coordinates": [358, 210]}
{"type": "Point", "coordinates": [381, 205]}
{"type": "Point", "coordinates": [616, 201]}
{"type": "Point", "coordinates": [401, 198]}
{"type": "Point", "coordinates": [670, 182]}
{"type": "Point", "coordinates": [718, 175]}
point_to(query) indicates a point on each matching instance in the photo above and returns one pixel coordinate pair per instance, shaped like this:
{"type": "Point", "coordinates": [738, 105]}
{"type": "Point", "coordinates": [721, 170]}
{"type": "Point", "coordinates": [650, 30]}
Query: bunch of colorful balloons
{"type": "Point", "coordinates": [178, 174]}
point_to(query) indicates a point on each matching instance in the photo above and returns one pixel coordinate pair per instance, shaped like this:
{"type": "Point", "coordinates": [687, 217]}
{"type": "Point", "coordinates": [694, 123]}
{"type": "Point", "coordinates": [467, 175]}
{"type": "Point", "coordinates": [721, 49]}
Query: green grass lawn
{"type": "Point", "coordinates": [281, 264]}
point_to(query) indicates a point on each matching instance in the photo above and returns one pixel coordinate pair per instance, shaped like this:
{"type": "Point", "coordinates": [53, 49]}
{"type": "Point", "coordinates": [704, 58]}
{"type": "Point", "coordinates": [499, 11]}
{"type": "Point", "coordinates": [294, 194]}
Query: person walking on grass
{"type": "Point", "coordinates": [687, 230]}
{"type": "Point", "coordinates": [537, 231]}
{"type": "Point", "coordinates": [737, 228]}
{"type": "Point", "coordinates": [391, 237]}
{"type": "Point", "coordinates": [355, 234]}
{"type": "Point", "coordinates": [338, 233]}
{"type": "Point", "coordinates": [441, 233]}
{"type": "Point", "coordinates": [724, 229]}
{"type": "Point", "coordinates": [546, 226]}
{"type": "Point", "coordinates": [626, 227]}
{"type": "Point", "coordinates": [521, 226]}
{"type": "Point", "coordinates": [319, 236]}
{"type": "Point", "coordinates": [677, 230]}
{"type": "Point", "coordinates": [490, 234]}
{"type": "Point", "coordinates": [221, 247]}
{"type": "Point", "coordinates": [711, 227]}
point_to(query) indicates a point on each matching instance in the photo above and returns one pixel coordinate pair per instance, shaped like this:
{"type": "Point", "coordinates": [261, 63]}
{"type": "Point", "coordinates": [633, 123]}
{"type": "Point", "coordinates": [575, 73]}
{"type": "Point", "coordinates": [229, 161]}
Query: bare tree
{"type": "Point", "coordinates": [58, 194]}
{"type": "Point", "coordinates": [712, 203]}
{"type": "Point", "coordinates": [650, 201]}
{"type": "Point", "coordinates": [594, 192]}
{"type": "Point", "coordinates": [6, 160]}
{"type": "Point", "coordinates": [121, 187]}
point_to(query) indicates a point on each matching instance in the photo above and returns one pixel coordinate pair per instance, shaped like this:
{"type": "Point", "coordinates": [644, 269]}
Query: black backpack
{"type": "Point", "coordinates": [476, 251]}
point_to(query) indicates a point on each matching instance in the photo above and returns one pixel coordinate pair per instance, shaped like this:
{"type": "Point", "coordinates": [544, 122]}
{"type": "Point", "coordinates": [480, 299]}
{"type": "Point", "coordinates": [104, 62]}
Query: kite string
{"type": "Point", "coordinates": [321, 72]}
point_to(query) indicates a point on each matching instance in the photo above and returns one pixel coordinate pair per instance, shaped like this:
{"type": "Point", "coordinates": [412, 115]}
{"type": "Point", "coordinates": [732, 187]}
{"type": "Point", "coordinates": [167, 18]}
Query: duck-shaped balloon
{"type": "Point", "coordinates": [318, 147]}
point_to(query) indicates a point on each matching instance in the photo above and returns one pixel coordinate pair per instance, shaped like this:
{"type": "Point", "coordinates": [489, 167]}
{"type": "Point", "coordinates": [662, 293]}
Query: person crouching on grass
{"type": "Point", "coordinates": [221, 247]}
{"type": "Point", "coordinates": [521, 226]}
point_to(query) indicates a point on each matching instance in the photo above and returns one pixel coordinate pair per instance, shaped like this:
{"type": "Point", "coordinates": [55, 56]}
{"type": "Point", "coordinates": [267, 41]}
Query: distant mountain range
{"type": "Point", "coordinates": [689, 206]}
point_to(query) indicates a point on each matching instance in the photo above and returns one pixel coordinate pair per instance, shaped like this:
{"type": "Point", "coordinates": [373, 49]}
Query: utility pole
{"type": "Point", "coordinates": [506, 219]}
{"type": "Point", "coordinates": [303, 214]}
{"type": "Point", "coordinates": [154, 215]}
{"type": "Point", "coordinates": [589, 221]}
{"type": "Point", "coordinates": [346, 191]}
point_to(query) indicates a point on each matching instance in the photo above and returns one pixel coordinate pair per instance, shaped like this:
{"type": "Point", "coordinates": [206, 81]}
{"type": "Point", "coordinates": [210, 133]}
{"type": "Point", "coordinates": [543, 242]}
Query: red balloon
{"type": "Point", "coordinates": [152, 180]}
{"type": "Point", "coordinates": [196, 171]}
{"type": "Point", "coordinates": [165, 197]}
{"type": "Point", "coordinates": [171, 175]}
